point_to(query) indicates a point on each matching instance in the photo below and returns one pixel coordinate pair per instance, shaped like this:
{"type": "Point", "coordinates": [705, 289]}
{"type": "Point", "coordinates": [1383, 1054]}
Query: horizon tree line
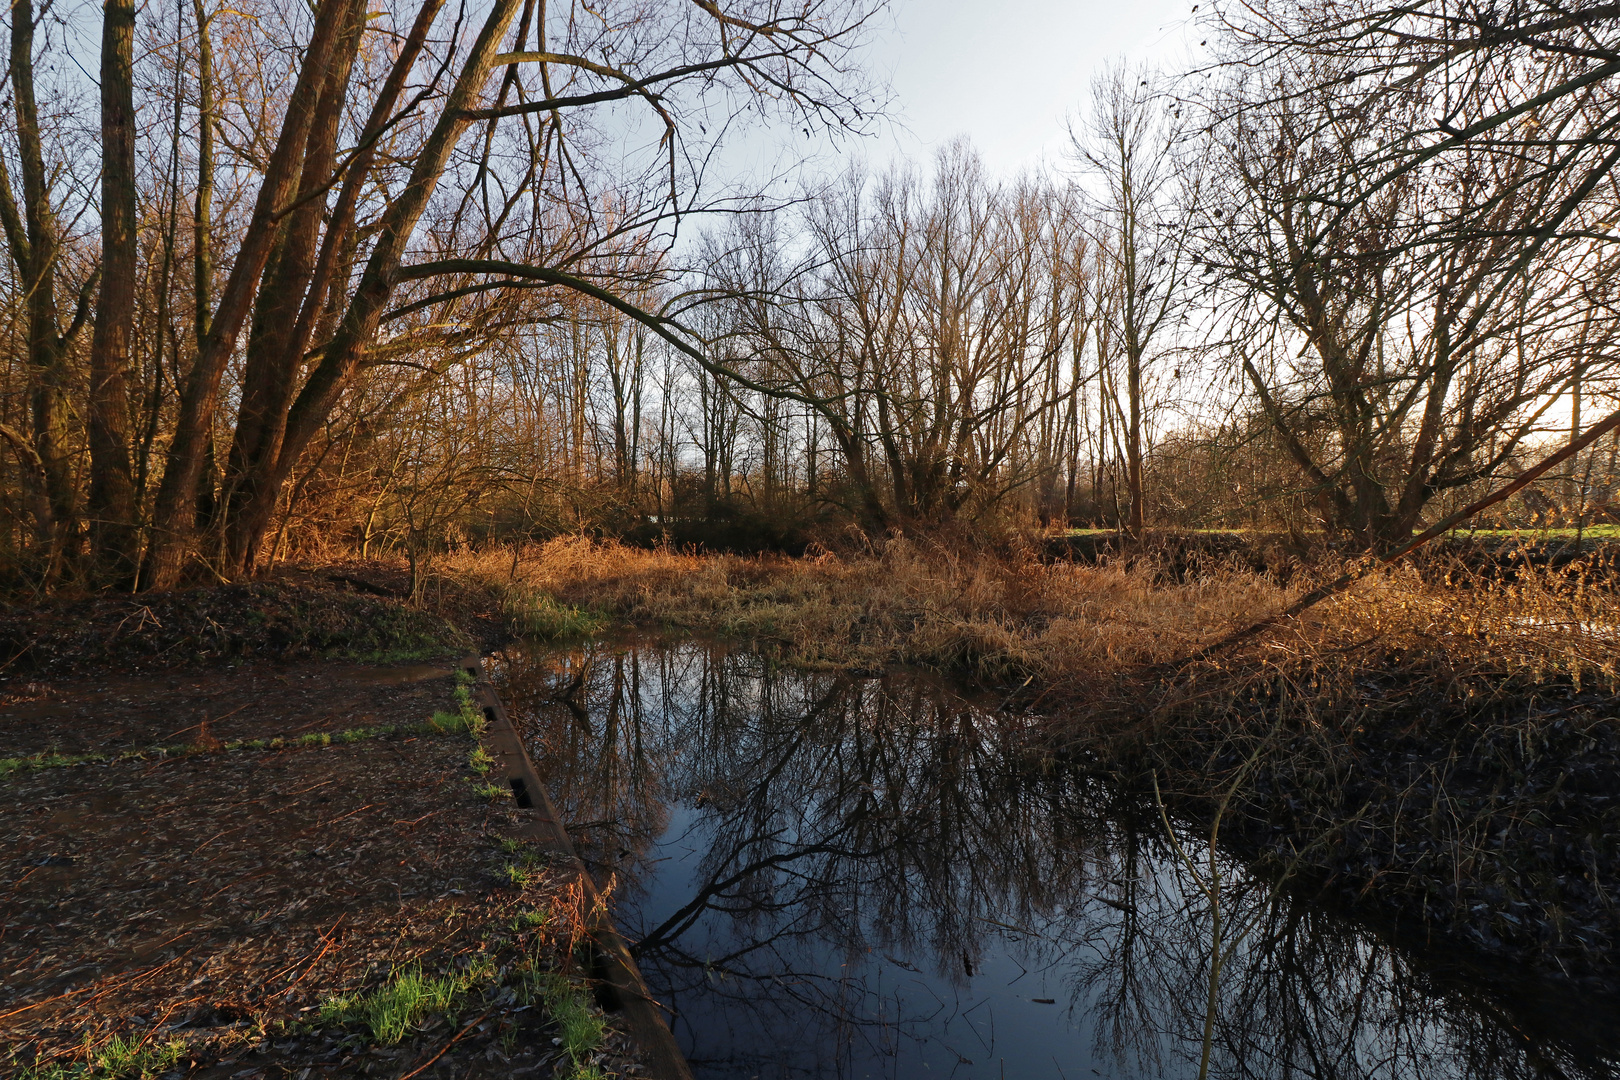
{"type": "Point", "coordinates": [378, 275]}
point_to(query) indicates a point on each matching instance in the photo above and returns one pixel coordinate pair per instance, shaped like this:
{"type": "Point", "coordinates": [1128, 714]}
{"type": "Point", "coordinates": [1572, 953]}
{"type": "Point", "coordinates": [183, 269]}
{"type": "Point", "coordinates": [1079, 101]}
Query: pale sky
{"type": "Point", "coordinates": [1008, 73]}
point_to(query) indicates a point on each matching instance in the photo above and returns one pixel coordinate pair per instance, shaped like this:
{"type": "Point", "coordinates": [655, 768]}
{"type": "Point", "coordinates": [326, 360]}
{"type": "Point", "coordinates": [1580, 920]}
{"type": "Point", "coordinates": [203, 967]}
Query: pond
{"type": "Point", "coordinates": [836, 876]}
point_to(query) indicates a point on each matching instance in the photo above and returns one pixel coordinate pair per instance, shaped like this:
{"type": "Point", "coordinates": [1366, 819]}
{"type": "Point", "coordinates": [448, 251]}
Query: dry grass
{"type": "Point", "coordinates": [999, 615]}
{"type": "Point", "coordinates": [994, 616]}
{"type": "Point", "coordinates": [1443, 741]}
{"type": "Point", "coordinates": [1443, 737]}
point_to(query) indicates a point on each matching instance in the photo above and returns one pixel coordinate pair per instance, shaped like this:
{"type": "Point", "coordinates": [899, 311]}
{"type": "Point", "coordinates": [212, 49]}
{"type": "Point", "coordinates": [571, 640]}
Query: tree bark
{"type": "Point", "coordinates": [202, 257]}
{"type": "Point", "coordinates": [358, 327]}
{"type": "Point", "coordinates": [112, 484]}
{"type": "Point", "coordinates": [173, 515]}
{"type": "Point", "coordinates": [262, 420]}
{"type": "Point", "coordinates": [273, 351]}
{"type": "Point", "coordinates": [32, 237]}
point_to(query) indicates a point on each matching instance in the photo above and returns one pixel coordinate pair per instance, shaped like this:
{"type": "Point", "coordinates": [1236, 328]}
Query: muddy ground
{"type": "Point", "coordinates": [188, 912]}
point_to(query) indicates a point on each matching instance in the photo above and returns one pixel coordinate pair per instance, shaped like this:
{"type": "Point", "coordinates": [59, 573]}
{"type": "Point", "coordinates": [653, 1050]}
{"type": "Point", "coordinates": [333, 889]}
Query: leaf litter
{"type": "Point", "coordinates": [195, 914]}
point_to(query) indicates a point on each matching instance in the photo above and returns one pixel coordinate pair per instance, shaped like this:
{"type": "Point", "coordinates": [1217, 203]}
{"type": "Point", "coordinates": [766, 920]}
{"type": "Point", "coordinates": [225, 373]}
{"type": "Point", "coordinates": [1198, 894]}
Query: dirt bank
{"type": "Point", "coordinates": [250, 865]}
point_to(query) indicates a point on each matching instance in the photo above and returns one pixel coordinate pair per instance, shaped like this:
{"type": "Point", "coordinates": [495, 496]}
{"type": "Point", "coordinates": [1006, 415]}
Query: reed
{"type": "Point", "coordinates": [1441, 738]}
{"type": "Point", "coordinates": [995, 616]}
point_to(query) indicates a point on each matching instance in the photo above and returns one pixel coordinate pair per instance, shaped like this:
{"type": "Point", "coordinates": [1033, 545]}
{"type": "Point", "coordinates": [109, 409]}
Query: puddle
{"type": "Point", "coordinates": [396, 676]}
{"type": "Point", "coordinates": [840, 877]}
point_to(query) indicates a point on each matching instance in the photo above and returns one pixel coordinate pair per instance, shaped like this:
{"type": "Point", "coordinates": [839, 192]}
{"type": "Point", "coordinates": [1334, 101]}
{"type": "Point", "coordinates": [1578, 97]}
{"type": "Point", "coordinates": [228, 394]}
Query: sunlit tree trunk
{"type": "Point", "coordinates": [112, 486]}
{"type": "Point", "coordinates": [274, 348]}
{"type": "Point", "coordinates": [174, 513]}
{"type": "Point", "coordinates": [261, 443]}
{"type": "Point", "coordinates": [32, 236]}
{"type": "Point", "coordinates": [358, 326]}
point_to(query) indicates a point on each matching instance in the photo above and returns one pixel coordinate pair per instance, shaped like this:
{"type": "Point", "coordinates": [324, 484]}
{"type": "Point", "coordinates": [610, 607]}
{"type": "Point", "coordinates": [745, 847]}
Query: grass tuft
{"type": "Point", "coordinates": [535, 613]}
{"type": "Point", "coordinates": [580, 1024]}
{"type": "Point", "coordinates": [121, 1057]}
{"type": "Point", "coordinates": [395, 1007]}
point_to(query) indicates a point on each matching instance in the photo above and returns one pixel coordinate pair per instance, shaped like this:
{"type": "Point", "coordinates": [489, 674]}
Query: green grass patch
{"type": "Point", "coordinates": [47, 761]}
{"type": "Point", "coordinates": [533, 919]}
{"type": "Point", "coordinates": [521, 875]}
{"type": "Point", "coordinates": [538, 614]}
{"type": "Point", "coordinates": [122, 1056]}
{"type": "Point", "coordinates": [391, 1010]}
{"type": "Point", "coordinates": [580, 1025]}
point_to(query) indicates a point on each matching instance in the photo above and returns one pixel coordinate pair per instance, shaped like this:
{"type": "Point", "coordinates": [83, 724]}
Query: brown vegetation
{"type": "Point", "coordinates": [1439, 741]}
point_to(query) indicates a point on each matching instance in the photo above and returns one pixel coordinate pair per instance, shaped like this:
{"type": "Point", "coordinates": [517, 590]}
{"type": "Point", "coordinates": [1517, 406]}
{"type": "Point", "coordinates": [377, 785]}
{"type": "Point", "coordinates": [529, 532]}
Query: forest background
{"type": "Point", "coordinates": [289, 281]}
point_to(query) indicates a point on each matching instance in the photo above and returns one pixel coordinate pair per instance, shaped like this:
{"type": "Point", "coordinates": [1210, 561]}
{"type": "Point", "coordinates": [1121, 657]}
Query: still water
{"type": "Point", "coordinates": [831, 876]}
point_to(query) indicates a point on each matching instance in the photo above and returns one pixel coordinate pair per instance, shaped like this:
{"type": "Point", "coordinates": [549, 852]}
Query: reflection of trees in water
{"type": "Point", "coordinates": [850, 827]}
{"type": "Point", "coordinates": [1304, 995]}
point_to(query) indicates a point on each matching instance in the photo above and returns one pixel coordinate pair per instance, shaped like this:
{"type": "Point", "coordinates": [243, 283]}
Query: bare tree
{"type": "Point", "coordinates": [364, 193]}
{"type": "Point", "coordinates": [1403, 327]}
{"type": "Point", "coordinates": [1147, 190]}
{"type": "Point", "coordinates": [927, 326]}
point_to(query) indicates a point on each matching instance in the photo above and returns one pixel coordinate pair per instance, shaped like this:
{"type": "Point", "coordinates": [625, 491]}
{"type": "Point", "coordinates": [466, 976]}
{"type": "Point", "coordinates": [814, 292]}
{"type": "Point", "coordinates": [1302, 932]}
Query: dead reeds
{"type": "Point", "coordinates": [994, 616]}
{"type": "Point", "coordinates": [1442, 737]}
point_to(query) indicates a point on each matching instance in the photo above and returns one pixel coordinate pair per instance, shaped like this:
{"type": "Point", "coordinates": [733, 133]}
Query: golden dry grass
{"type": "Point", "coordinates": [996, 615]}
{"type": "Point", "coordinates": [904, 601]}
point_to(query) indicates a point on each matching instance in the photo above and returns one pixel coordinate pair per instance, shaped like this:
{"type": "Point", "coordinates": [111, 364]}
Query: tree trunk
{"type": "Point", "coordinates": [202, 265]}
{"type": "Point", "coordinates": [176, 500]}
{"type": "Point", "coordinates": [359, 325]}
{"type": "Point", "coordinates": [1133, 446]}
{"type": "Point", "coordinates": [112, 484]}
{"type": "Point", "coordinates": [258, 452]}
{"type": "Point", "coordinates": [274, 351]}
{"type": "Point", "coordinates": [33, 241]}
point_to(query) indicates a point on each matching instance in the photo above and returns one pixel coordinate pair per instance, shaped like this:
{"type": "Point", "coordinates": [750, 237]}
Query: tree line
{"type": "Point", "coordinates": [394, 275]}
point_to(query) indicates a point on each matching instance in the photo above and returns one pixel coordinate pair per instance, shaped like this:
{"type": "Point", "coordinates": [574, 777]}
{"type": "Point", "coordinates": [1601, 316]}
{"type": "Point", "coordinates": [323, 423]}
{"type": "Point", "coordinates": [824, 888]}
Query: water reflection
{"type": "Point", "coordinates": [842, 877]}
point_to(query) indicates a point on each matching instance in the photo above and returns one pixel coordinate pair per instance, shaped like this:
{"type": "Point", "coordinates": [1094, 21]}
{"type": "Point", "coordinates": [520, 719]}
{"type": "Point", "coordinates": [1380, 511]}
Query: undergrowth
{"type": "Point", "coordinates": [1441, 739]}
{"type": "Point", "coordinates": [993, 616]}
{"type": "Point", "coordinates": [122, 1057]}
{"type": "Point", "coordinates": [536, 614]}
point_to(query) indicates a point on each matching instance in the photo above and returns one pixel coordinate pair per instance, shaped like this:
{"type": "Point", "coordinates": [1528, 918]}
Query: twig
{"type": "Point", "coordinates": [453, 1040]}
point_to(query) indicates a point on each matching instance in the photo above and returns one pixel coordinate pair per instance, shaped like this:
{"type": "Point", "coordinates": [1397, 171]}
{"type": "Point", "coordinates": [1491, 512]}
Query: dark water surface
{"type": "Point", "coordinates": [839, 877]}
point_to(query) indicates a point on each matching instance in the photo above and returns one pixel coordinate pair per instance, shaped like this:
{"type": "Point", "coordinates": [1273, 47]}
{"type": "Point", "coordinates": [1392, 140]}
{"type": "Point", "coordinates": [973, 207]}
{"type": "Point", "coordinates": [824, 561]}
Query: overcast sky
{"type": "Point", "coordinates": [1007, 73]}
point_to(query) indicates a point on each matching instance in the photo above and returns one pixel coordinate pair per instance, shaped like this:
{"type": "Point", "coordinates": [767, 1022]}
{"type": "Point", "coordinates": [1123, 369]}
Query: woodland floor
{"type": "Point", "coordinates": [187, 912]}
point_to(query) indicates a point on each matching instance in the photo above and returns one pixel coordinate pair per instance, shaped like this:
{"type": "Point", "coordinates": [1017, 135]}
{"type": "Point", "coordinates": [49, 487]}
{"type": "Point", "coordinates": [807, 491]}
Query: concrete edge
{"type": "Point", "coordinates": [642, 1015]}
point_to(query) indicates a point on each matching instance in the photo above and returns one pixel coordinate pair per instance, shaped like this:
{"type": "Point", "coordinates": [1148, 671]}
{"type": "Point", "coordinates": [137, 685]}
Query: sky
{"type": "Point", "coordinates": [1009, 73]}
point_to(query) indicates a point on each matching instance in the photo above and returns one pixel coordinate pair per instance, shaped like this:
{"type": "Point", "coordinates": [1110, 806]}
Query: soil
{"type": "Point", "coordinates": [210, 900]}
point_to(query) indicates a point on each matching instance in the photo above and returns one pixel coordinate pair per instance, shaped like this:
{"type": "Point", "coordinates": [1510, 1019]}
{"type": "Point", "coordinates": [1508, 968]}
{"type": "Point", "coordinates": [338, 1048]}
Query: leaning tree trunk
{"type": "Point", "coordinates": [358, 327]}
{"type": "Point", "coordinates": [276, 352]}
{"type": "Point", "coordinates": [175, 509]}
